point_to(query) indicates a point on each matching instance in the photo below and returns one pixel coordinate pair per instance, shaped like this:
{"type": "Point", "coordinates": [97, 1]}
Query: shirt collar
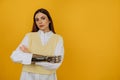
{"type": "Point", "coordinates": [46, 33]}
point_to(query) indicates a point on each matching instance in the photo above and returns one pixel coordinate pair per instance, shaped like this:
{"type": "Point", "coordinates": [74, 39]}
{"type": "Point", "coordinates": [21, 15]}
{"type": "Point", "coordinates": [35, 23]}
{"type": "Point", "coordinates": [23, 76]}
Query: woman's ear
{"type": "Point", "coordinates": [49, 21]}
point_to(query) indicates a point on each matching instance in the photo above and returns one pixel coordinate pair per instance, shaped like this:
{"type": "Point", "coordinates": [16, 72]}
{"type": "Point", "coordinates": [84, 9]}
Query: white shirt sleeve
{"type": "Point", "coordinates": [19, 56]}
{"type": "Point", "coordinates": [58, 51]}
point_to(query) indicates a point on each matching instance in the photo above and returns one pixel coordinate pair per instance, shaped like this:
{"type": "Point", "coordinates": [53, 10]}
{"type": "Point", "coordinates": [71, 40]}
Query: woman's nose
{"type": "Point", "coordinates": [39, 21]}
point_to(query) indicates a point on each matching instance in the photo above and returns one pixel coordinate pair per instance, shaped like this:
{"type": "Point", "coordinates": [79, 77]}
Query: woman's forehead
{"type": "Point", "coordinates": [40, 15]}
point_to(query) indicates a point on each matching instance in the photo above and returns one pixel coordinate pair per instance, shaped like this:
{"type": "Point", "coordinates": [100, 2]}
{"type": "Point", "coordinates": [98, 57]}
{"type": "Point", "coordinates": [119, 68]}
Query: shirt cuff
{"type": "Point", "coordinates": [27, 58]}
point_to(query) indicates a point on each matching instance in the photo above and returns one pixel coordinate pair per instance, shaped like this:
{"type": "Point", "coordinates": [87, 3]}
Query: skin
{"type": "Point", "coordinates": [42, 22]}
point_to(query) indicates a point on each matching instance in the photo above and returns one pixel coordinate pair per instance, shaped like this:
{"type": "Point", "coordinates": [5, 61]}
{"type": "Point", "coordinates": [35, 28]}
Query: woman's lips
{"type": "Point", "coordinates": [41, 25]}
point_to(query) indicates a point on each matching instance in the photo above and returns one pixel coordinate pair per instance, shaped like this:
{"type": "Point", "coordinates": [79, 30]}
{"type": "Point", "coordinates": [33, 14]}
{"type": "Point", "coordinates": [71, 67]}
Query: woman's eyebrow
{"type": "Point", "coordinates": [40, 17]}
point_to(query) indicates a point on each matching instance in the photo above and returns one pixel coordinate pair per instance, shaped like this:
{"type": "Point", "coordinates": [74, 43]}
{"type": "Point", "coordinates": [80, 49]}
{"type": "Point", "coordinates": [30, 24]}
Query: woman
{"type": "Point", "coordinates": [41, 51]}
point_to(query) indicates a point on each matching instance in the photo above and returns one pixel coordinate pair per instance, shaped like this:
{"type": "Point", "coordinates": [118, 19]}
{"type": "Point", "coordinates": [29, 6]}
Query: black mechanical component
{"type": "Point", "coordinates": [50, 59]}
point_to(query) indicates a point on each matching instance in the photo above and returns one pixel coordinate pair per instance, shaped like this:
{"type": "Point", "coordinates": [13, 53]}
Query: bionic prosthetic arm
{"type": "Point", "coordinates": [50, 59]}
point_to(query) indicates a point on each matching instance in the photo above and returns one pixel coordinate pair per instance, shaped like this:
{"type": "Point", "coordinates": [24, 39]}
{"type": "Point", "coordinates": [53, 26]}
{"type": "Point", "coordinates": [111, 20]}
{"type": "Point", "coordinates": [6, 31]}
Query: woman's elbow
{"type": "Point", "coordinates": [14, 59]}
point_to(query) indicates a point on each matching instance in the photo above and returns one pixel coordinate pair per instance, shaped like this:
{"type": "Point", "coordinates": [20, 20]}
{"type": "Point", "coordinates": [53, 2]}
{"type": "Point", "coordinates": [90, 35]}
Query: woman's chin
{"type": "Point", "coordinates": [42, 29]}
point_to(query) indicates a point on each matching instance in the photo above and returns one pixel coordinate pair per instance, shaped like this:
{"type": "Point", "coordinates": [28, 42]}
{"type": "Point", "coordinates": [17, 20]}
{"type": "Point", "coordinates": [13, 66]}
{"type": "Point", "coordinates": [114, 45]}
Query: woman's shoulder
{"type": "Point", "coordinates": [30, 33]}
{"type": "Point", "coordinates": [59, 36]}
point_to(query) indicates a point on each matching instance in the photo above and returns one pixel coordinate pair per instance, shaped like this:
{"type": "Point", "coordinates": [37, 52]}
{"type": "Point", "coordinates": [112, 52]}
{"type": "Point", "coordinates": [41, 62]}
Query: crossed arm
{"type": "Point", "coordinates": [23, 55]}
{"type": "Point", "coordinates": [41, 58]}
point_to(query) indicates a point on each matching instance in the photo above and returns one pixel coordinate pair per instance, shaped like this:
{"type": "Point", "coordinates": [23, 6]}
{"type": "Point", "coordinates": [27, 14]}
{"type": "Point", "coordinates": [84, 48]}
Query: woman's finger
{"type": "Point", "coordinates": [21, 48]}
{"type": "Point", "coordinates": [24, 46]}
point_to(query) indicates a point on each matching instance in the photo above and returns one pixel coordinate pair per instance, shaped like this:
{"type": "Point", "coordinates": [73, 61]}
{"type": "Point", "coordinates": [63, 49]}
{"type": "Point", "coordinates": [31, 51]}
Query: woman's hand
{"type": "Point", "coordinates": [24, 49]}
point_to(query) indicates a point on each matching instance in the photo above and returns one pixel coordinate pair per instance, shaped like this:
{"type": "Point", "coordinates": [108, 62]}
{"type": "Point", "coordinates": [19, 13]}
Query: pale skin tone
{"type": "Point", "coordinates": [42, 22]}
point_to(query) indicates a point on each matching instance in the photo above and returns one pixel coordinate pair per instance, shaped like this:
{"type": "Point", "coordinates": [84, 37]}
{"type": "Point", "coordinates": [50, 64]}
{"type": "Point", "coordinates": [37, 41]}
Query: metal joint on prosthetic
{"type": "Point", "coordinates": [50, 59]}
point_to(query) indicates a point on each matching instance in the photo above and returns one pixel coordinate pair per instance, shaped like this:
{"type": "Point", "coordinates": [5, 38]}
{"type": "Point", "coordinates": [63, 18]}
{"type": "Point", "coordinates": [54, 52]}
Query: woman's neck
{"type": "Point", "coordinates": [45, 31]}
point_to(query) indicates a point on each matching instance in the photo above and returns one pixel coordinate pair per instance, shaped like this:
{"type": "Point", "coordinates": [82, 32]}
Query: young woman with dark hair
{"type": "Point", "coordinates": [41, 51]}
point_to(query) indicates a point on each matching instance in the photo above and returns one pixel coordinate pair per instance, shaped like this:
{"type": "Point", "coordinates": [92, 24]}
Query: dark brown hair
{"type": "Point", "coordinates": [44, 11]}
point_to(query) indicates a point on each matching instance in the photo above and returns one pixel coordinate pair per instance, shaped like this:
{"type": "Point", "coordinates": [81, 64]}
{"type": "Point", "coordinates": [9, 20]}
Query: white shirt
{"type": "Point", "coordinates": [25, 58]}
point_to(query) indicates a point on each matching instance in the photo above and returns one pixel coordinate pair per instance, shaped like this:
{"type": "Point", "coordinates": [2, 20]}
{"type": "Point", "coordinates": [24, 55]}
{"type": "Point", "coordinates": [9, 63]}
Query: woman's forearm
{"type": "Point", "coordinates": [50, 59]}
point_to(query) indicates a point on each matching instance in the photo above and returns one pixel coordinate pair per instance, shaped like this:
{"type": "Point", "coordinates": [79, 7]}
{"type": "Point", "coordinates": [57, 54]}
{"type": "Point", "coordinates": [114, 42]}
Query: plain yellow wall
{"type": "Point", "coordinates": [90, 29]}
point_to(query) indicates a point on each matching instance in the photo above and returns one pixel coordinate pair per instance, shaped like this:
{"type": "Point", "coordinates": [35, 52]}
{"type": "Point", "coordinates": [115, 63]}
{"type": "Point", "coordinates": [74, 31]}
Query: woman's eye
{"type": "Point", "coordinates": [43, 18]}
{"type": "Point", "coordinates": [36, 19]}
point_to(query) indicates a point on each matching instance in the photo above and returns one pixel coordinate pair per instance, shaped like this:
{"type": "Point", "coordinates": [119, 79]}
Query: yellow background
{"type": "Point", "coordinates": [90, 29]}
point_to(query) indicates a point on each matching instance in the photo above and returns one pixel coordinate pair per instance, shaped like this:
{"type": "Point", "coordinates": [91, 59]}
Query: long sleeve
{"type": "Point", "coordinates": [58, 51]}
{"type": "Point", "coordinates": [19, 56]}
{"type": "Point", "coordinates": [25, 58]}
